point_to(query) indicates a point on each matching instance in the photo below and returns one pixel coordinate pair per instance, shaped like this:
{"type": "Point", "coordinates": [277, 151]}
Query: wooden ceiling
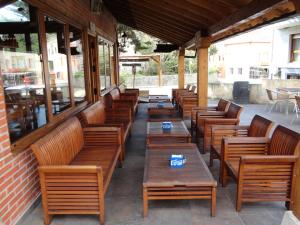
{"type": "Point", "coordinates": [177, 21]}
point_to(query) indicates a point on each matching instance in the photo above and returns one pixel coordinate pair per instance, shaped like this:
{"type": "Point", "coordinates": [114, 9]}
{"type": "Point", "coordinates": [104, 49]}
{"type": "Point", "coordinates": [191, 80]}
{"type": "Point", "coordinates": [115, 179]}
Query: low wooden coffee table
{"type": "Point", "coordinates": [161, 182]}
{"type": "Point", "coordinates": [178, 134]}
{"type": "Point", "coordinates": [159, 98]}
{"type": "Point", "coordinates": [167, 109]}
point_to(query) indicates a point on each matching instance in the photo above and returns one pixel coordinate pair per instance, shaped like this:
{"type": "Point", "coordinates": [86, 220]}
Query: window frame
{"type": "Point", "coordinates": [292, 38]}
{"type": "Point", "coordinates": [53, 120]}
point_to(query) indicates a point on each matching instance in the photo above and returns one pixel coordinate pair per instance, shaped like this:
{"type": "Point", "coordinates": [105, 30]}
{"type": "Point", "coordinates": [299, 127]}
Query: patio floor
{"type": "Point", "coordinates": [124, 197]}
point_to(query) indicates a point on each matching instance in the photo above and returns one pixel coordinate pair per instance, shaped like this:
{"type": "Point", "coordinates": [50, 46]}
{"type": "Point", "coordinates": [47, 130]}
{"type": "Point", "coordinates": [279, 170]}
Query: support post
{"type": "Point", "coordinates": [181, 68]}
{"type": "Point", "coordinates": [159, 72]}
{"type": "Point", "coordinates": [202, 70]}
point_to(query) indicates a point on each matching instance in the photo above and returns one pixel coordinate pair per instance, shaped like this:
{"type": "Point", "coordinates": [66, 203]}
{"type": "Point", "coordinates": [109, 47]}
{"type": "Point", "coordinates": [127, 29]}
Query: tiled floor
{"type": "Point", "coordinates": [124, 197]}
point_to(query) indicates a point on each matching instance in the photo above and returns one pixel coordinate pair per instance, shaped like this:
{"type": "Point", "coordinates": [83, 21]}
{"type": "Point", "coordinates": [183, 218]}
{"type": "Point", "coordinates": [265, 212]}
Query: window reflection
{"type": "Point", "coordinates": [77, 66]}
{"type": "Point", "coordinates": [104, 64]}
{"type": "Point", "coordinates": [57, 63]}
{"type": "Point", "coordinates": [21, 70]}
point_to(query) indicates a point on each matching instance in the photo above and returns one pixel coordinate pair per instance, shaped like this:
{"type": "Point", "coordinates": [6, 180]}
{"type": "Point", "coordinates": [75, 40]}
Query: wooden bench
{"type": "Point", "coordinates": [186, 103]}
{"type": "Point", "coordinates": [98, 115]}
{"type": "Point", "coordinates": [75, 168]}
{"type": "Point", "coordinates": [176, 90]}
{"type": "Point", "coordinates": [222, 106]}
{"type": "Point", "coordinates": [116, 100]}
{"type": "Point", "coordinates": [130, 91]}
{"type": "Point", "coordinates": [264, 168]}
{"type": "Point", "coordinates": [205, 120]}
{"type": "Point", "coordinates": [259, 127]}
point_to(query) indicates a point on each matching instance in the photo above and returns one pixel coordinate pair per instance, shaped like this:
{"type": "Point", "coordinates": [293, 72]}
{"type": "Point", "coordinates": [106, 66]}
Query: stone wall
{"type": "Point", "coordinates": [216, 89]}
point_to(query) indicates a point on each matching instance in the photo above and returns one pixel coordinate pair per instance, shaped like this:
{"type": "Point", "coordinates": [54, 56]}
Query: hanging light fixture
{"type": "Point", "coordinates": [123, 39]}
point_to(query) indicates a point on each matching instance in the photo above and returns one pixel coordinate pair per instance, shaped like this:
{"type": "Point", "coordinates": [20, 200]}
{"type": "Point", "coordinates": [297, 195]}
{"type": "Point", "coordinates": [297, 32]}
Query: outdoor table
{"type": "Point", "coordinates": [193, 181]}
{"type": "Point", "coordinates": [166, 109]}
{"type": "Point", "coordinates": [159, 98]}
{"type": "Point", "coordinates": [178, 134]}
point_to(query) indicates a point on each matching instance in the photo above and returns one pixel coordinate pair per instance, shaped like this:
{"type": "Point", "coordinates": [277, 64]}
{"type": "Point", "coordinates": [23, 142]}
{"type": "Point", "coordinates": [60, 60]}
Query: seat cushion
{"type": "Point", "coordinates": [234, 166]}
{"type": "Point", "coordinates": [105, 157]}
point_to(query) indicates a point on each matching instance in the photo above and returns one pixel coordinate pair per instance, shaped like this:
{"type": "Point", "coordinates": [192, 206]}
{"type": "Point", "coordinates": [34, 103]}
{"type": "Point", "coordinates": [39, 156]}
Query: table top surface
{"type": "Point", "coordinates": [158, 173]}
{"type": "Point", "coordinates": [178, 129]}
{"type": "Point", "coordinates": [157, 97]}
{"type": "Point", "coordinates": [166, 105]}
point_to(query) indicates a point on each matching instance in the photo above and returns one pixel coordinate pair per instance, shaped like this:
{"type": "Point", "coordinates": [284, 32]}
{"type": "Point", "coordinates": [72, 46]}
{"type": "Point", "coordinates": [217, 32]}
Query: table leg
{"type": "Point", "coordinates": [213, 201]}
{"type": "Point", "coordinates": [145, 201]}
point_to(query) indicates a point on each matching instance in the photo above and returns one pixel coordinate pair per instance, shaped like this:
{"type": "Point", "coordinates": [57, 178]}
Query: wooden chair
{"type": "Point", "coordinates": [98, 115]}
{"type": "Point", "coordinates": [259, 127]}
{"type": "Point", "coordinates": [222, 106]}
{"type": "Point", "coordinates": [263, 168]}
{"type": "Point", "coordinates": [75, 168]}
{"type": "Point", "coordinates": [129, 91]}
{"type": "Point", "coordinates": [205, 120]}
{"type": "Point", "coordinates": [175, 90]}
{"type": "Point", "coordinates": [116, 100]}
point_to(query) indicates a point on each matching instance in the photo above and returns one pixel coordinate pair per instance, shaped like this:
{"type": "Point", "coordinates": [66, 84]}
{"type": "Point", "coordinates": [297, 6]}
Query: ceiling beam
{"type": "Point", "coordinates": [285, 10]}
{"type": "Point", "coordinates": [254, 9]}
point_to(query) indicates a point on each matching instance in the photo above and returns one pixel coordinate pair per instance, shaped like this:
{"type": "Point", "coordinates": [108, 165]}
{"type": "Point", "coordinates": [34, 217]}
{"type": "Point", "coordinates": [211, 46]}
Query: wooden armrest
{"type": "Point", "coordinates": [70, 169]}
{"type": "Point", "coordinates": [223, 121]}
{"type": "Point", "coordinates": [211, 114]}
{"type": "Point", "coordinates": [268, 159]}
{"type": "Point", "coordinates": [208, 108]}
{"type": "Point", "coordinates": [102, 135]}
{"type": "Point", "coordinates": [235, 147]}
{"type": "Point", "coordinates": [220, 131]}
{"type": "Point", "coordinates": [123, 114]}
{"type": "Point", "coordinates": [246, 140]}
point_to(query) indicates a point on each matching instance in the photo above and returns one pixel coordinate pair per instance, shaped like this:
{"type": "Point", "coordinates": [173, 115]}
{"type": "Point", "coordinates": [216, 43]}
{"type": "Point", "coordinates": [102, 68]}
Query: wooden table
{"type": "Point", "coordinates": [167, 109]}
{"type": "Point", "coordinates": [162, 182]}
{"type": "Point", "coordinates": [159, 98]}
{"type": "Point", "coordinates": [178, 134]}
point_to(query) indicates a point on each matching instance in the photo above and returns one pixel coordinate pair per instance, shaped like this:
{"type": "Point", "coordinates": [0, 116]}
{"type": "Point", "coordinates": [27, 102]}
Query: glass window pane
{"type": "Point", "coordinates": [107, 65]}
{"type": "Point", "coordinates": [57, 63]}
{"type": "Point", "coordinates": [21, 71]}
{"type": "Point", "coordinates": [102, 69]}
{"type": "Point", "coordinates": [77, 66]}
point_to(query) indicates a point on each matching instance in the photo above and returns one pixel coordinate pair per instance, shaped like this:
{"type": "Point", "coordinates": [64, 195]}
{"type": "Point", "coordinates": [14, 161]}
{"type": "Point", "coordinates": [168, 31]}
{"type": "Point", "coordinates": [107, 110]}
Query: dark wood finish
{"type": "Point", "coordinates": [178, 134]}
{"type": "Point", "coordinates": [97, 115]}
{"type": "Point", "coordinates": [265, 169]}
{"type": "Point", "coordinates": [159, 98]}
{"type": "Point", "coordinates": [175, 90]}
{"type": "Point", "coordinates": [194, 181]}
{"type": "Point", "coordinates": [205, 120]}
{"type": "Point", "coordinates": [167, 109]}
{"type": "Point", "coordinates": [259, 127]}
{"type": "Point", "coordinates": [75, 168]}
{"type": "Point", "coordinates": [222, 106]}
{"type": "Point", "coordinates": [177, 21]}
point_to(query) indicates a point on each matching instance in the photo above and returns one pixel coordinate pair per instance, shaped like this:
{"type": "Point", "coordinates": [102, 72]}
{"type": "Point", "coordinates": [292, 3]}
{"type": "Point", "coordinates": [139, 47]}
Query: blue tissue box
{"type": "Point", "coordinates": [166, 126]}
{"type": "Point", "coordinates": [160, 104]}
{"type": "Point", "coordinates": [177, 161]}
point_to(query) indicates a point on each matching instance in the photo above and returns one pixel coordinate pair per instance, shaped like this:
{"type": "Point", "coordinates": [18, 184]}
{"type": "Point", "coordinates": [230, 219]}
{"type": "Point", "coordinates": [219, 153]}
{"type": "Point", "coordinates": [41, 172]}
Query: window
{"type": "Point", "coordinates": [295, 48]}
{"type": "Point", "coordinates": [21, 70]}
{"type": "Point", "coordinates": [104, 63]}
{"type": "Point", "coordinates": [231, 70]}
{"type": "Point", "coordinates": [58, 72]}
{"type": "Point", "coordinates": [240, 71]}
{"type": "Point", "coordinates": [258, 73]}
{"type": "Point", "coordinates": [77, 64]}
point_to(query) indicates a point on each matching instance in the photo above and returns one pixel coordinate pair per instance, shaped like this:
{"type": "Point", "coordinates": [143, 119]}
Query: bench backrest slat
{"type": "Point", "coordinates": [95, 114]}
{"type": "Point", "coordinates": [259, 127]}
{"type": "Point", "coordinates": [234, 111]}
{"type": "Point", "coordinates": [284, 141]}
{"type": "Point", "coordinates": [60, 146]}
{"type": "Point", "coordinates": [223, 105]}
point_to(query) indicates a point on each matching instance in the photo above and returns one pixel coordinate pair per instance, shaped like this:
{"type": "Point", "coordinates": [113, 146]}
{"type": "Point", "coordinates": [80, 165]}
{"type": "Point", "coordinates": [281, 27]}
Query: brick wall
{"type": "Point", "coordinates": [19, 184]}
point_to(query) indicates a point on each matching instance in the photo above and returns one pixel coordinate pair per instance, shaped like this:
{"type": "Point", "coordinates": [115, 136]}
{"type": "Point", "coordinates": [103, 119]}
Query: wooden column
{"type": "Point", "coordinates": [296, 4]}
{"type": "Point", "coordinates": [181, 68]}
{"type": "Point", "coordinates": [202, 70]}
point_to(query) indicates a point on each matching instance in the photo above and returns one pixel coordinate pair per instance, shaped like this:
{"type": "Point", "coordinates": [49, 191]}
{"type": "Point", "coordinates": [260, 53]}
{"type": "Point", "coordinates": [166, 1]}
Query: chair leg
{"type": "Point", "coordinates": [47, 219]}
